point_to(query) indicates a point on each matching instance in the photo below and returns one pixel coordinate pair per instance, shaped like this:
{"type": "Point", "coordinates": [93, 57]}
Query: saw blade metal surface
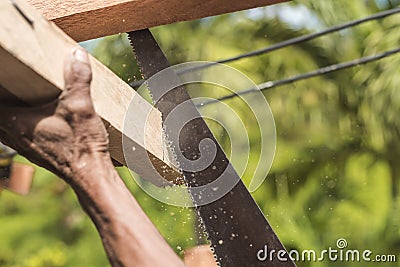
{"type": "Point", "coordinates": [235, 225]}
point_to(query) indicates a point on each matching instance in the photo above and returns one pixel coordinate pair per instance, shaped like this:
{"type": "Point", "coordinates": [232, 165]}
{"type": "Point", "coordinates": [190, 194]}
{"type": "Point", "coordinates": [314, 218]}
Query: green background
{"type": "Point", "coordinates": [336, 172]}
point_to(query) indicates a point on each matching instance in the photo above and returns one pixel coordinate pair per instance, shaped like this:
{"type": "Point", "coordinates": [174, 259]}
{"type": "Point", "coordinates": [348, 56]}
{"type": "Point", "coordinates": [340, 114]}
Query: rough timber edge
{"type": "Point", "coordinates": [32, 53]}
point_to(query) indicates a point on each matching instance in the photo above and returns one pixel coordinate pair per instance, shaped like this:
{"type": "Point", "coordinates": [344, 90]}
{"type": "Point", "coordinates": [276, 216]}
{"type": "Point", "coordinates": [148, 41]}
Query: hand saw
{"type": "Point", "coordinates": [235, 225]}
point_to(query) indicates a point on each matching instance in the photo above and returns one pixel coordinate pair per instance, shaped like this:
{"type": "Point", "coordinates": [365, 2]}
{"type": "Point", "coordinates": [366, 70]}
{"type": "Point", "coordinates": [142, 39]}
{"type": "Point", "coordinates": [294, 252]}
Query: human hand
{"type": "Point", "coordinates": [65, 136]}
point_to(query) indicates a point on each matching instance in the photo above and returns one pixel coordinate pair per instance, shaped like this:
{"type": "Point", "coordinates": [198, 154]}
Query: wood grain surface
{"type": "Point", "coordinates": [31, 71]}
{"type": "Point", "coordinates": [89, 19]}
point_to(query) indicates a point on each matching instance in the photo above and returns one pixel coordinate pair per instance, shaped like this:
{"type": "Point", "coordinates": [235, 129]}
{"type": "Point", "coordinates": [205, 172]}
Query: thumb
{"type": "Point", "coordinates": [75, 99]}
{"type": "Point", "coordinates": [77, 69]}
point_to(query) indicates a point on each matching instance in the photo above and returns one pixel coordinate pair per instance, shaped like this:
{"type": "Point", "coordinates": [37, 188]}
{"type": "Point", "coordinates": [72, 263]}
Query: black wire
{"type": "Point", "coordinates": [296, 40]}
{"type": "Point", "coordinates": [331, 68]}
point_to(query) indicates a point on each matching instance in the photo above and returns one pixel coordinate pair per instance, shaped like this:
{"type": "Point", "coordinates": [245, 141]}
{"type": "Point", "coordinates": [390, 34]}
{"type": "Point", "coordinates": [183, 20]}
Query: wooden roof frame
{"type": "Point", "coordinates": [32, 53]}
{"type": "Point", "coordinates": [89, 19]}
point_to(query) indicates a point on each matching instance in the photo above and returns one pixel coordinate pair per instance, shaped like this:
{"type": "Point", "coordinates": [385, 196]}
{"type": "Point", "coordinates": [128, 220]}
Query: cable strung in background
{"type": "Point", "coordinates": [290, 42]}
{"type": "Point", "coordinates": [331, 68]}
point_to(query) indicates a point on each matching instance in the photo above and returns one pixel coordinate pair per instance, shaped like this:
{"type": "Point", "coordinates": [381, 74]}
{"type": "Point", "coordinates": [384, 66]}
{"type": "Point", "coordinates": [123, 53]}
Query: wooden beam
{"type": "Point", "coordinates": [32, 53]}
{"type": "Point", "coordinates": [84, 20]}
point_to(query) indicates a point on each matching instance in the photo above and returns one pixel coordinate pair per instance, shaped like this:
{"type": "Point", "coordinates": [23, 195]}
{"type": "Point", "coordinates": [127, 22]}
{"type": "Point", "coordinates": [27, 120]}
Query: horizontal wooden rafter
{"type": "Point", "coordinates": [89, 19]}
{"type": "Point", "coordinates": [32, 53]}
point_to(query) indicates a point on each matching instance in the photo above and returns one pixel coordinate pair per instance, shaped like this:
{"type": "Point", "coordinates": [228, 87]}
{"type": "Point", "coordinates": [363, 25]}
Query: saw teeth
{"type": "Point", "coordinates": [169, 153]}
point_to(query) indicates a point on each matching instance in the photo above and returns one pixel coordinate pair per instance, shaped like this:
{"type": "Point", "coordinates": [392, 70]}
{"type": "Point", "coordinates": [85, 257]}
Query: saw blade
{"type": "Point", "coordinates": [235, 225]}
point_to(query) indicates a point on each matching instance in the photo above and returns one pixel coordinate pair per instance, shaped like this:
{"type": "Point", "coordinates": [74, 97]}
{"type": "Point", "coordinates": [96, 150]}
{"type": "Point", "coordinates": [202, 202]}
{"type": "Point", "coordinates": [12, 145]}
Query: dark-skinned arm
{"type": "Point", "coordinates": [68, 138]}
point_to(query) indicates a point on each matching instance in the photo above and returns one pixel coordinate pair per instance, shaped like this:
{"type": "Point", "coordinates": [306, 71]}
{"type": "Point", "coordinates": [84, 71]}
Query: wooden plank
{"type": "Point", "coordinates": [84, 20]}
{"type": "Point", "coordinates": [31, 62]}
{"type": "Point", "coordinates": [199, 256]}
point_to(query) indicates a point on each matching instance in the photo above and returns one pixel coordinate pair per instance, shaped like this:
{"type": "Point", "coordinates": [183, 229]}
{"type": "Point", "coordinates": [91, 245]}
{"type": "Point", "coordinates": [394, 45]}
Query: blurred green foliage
{"type": "Point", "coordinates": [336, 173]}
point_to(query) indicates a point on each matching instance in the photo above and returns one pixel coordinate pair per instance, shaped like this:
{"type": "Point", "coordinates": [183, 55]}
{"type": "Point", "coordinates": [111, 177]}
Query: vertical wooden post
{"type": "Point", "coordinates": [199, 256]}
{"type": "Point", "coordinates": [20, 179]}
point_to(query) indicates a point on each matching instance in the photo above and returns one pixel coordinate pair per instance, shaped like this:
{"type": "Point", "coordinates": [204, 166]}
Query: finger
{"type": "Point", "coordinates": [20, 122]}
{"type": "Point", "coordinates": [77, 70]}
{"type": "Point", "coordinates": [75, 99]}
{"type": "Point", "coordinates": [116, 163]}
{"type": "Point", "coordinates": [4, 139]}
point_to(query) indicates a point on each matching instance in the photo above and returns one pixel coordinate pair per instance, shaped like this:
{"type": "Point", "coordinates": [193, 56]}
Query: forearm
{"type": "Point", "coordinates": [68, 138]}
{"type": "Point", "coordinates": [128, 236]}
